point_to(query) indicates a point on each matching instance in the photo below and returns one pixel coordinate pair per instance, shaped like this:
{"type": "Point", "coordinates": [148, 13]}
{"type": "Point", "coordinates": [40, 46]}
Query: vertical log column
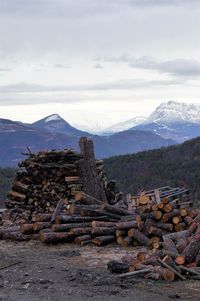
{"type": "Point", "coordinates": [92, 184]}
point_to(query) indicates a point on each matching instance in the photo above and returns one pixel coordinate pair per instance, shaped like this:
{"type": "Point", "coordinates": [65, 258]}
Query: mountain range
{"type": "Point", "coordinates": [171, 120]}
{"type": "Point", "coordinates": [170, 123]}
{"type": "Point", "coordinates": [53, 132]}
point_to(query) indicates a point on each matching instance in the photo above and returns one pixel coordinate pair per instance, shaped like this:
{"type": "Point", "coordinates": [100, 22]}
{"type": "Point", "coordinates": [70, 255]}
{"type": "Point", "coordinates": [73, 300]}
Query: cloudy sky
{"type": "Point", "coordinates": [97, 62]}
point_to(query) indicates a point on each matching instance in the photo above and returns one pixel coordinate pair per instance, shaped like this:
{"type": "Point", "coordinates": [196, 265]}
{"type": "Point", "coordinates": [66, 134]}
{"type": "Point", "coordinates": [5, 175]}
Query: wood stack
{"type": "Point", "coordinates": [43, 179]}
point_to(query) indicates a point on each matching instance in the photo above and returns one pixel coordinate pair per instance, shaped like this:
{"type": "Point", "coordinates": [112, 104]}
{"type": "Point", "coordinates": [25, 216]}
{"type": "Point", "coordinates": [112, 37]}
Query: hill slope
{"type": "Point", "coordinates": [176, 165]}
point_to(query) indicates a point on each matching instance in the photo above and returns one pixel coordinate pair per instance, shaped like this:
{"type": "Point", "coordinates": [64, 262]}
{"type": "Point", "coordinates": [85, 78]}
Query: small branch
{"type": "Point", "coordinates": [134, 273]}
{"type": "Point", "coordinates": [10, 265]}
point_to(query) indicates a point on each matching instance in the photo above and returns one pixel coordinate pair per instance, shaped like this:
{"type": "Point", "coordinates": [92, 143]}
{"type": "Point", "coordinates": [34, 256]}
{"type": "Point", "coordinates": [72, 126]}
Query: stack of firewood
{"type": "Point", "coordinates": [42, 180]}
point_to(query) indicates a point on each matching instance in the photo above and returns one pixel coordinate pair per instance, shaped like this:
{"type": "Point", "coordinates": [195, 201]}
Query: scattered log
{"type": "Point", "coordinates": [117, 267]}
{"type": "Point", "coordinates": [135, 273]}
{"type": "Point", "coordinates": [171, 269]}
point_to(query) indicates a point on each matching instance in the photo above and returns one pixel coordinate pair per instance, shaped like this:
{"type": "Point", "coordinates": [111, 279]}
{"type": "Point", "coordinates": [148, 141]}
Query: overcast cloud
{"type": "Point", "coordinates": [86, 53]}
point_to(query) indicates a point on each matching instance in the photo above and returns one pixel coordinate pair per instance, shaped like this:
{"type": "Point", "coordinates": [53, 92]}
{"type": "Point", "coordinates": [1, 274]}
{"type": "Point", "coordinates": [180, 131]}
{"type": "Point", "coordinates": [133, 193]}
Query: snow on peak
{"type": "Point", "coordinates": [173, 111]}
{"type": "Point", "coordinates": [53, 117]}
{"type": "Point", "coordinates": [125, 125]}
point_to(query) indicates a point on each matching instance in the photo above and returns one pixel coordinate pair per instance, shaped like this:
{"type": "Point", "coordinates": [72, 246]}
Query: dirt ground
{"type": "Point", "coordinates": [67, 272]}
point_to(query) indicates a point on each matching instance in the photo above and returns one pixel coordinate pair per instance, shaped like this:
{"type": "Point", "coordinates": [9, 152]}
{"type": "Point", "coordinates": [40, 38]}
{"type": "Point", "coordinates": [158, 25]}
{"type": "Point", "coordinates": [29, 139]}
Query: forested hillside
{"type": "Point", "coordinates": [177, 165]}
{"type": "Point", "coordinates": [6, 177]}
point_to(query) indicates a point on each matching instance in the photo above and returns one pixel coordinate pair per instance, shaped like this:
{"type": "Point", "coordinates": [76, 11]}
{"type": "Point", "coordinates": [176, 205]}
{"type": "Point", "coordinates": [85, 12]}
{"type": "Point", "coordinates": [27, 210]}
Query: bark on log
{"type": "Point", "coordinates": [103, 231]}
{"type": "Point", "coordinates": [80, 239]}
{"type": "Point", "coordinates": [96, 224]}
{"type": "Point", "coordinates": [140, 237]}
{"type": "Point", "coordinates": [126, 225]}
{"type": "Point", "coordinates": [80, 231]}
{"type": "Point", "coordinates": [115, 210]}
{"type": "Point", "coordinates": [117, 267]}
{"type": "Point", "coordinates": [41, 225]}
{"type": "Point", "coordinates": [192, 250]}
{"type": "Point", "coordinates": [68, 227]}
{"type": "Point", "coordinates": [86, 199]}
{"type": "Point", "coordinates": [176, 235]}
{"type": "Point", "coordinates": [26, 229]}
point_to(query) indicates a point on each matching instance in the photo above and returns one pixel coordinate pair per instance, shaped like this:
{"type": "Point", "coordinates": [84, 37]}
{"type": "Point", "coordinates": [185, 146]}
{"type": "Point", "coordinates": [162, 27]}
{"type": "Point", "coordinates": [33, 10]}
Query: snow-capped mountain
{"type": "Point", "coordinates": [174, 120]}
{"type": "Point", "coordinates": [56, 124]}
{"type": "Point", "coordinates": [175, 112]}
{"type": "Point", "coordinates": [124, 125]}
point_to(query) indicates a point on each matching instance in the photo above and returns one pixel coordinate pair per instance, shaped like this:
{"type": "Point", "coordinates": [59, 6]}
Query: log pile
{"type": "Point", "coordinates": [42, 180]}
{"type": "Point", "coordinates": [182, 197]}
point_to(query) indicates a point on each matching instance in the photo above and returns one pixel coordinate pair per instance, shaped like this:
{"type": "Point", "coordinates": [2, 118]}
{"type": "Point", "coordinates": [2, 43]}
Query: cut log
{"type": "Point", "coordinates": [188, 220]}
{"type": "Point", "coordinates": [126, 242]}
{"type": "Point", "coordinates": [181, 245]}
{"type": "Point", "coordinates": [41, 225]}
{"type": "Point", "coordinates": [126, 225]}
{"type": "Point", "coordinates": [176, 235]}
{"type": "Point", "coordinates": [103, 231]}
{"type": "Point", "coordinates": [26, 229]}
{"type": "Point", "coordinates": [54, 238]}
{"type": "Point", "coordinates": [57, 211]}
{"type": "Point", "coordinates": [120, 233]}
{"type": "Point", "coordinates": [66, 219]}
{"type": "Point", "coordinates": [115, 210]}
{"type": "Point", "coordinates": [96, 224]}
{"type": "Point", "coordinates": [140, 237]}
{"type": "Point", "coordinates": [165, 226]}
{"type": "Point", "coordinates": [80, 239]}
{"type": "Point", "coordinates": [156, 231]}
{"type": "Point", "coordinates": [176, 220]}
{"type": "Point", "coordinates": [86, 199]}
{"type": "Point", "coordinates": [183, 212]}
{"type": "Point", "coordinates": [180, 260]}
{"type": "Point", "coordinates": [80, 231]}
{"type": "Point", "coordinates": [171, 269]}
{"type": "Point", "coordinates": [41, 217]}
{"type": "Point", "coordinates": [169, 245]}
{"type": "Point", "coordinates": [180, 227]}
{"type": "Point", "coordinates": [192, 250]}
{"type": "Point", "coordinates": [168, 216]}
{"type": "Point", "coordinates": [117, 267]}
{"type": "Point", "coordinates": [103, 240]}
{"type": "Point", "coordinates": [68, 227]}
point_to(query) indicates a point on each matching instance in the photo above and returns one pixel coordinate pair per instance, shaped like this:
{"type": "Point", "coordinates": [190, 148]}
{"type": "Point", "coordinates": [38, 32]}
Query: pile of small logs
{"type": "Point", "coordinates": [42, 180]}
{"type": "Point", "coordinates": [182, 196]}
{"type": "Point", "coordinates": [179, 257]}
